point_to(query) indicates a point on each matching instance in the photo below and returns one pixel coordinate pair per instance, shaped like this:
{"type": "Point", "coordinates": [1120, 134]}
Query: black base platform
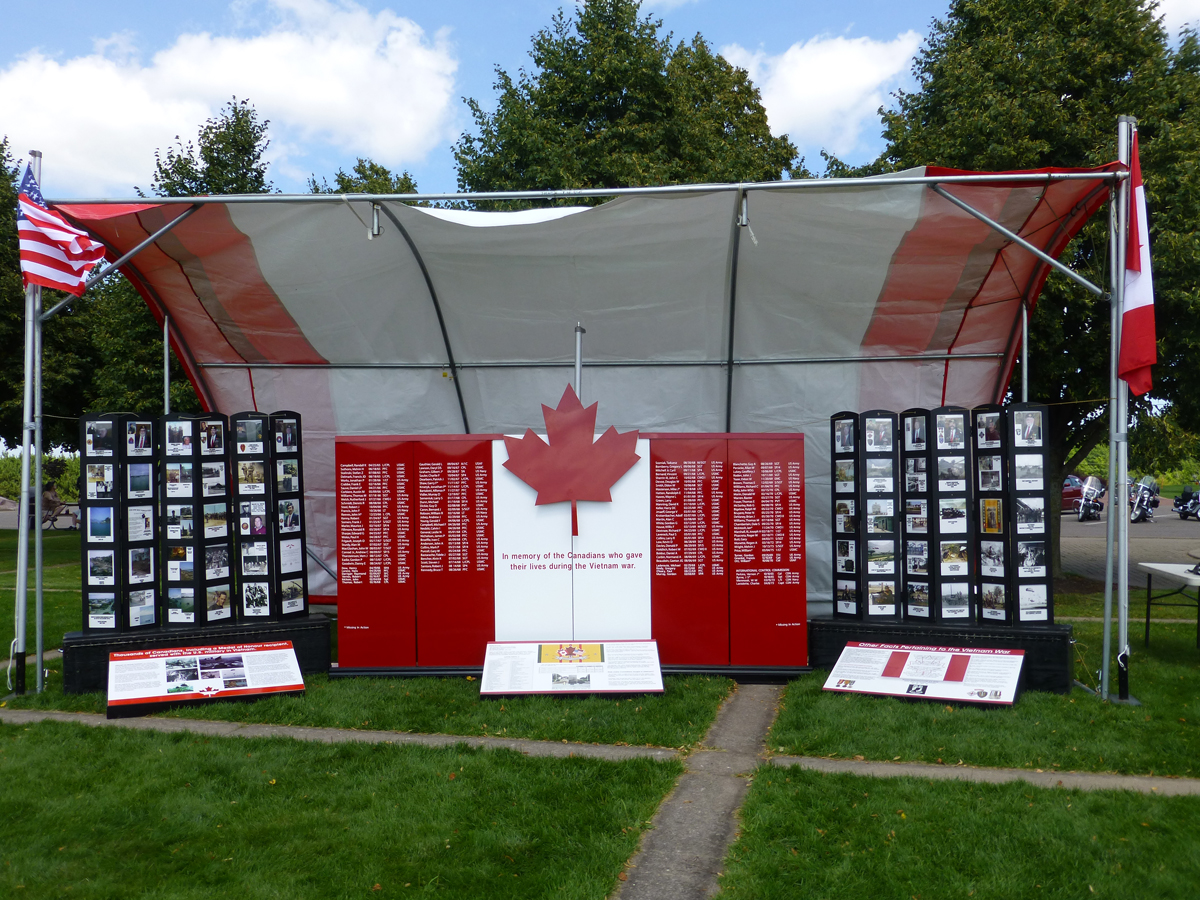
{"type": "Point", "coordinates": [1048, 662]}
{"type": "Point", "coordinates": [85, 655]}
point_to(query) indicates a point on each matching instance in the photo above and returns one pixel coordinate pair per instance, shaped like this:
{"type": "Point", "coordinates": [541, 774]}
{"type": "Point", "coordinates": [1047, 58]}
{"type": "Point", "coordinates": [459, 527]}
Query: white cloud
{"type": "Point", "coordinates": [824, 91]}
{"type": "Point", "coordinates": [325, 72]}
{"type": "Point", "coordinates": [1177, 13]}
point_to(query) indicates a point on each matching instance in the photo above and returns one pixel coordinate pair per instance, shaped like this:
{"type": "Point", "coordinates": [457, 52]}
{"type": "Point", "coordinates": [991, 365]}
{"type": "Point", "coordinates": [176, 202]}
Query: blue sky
{"type": "Point", "coordinates": [99, 86]}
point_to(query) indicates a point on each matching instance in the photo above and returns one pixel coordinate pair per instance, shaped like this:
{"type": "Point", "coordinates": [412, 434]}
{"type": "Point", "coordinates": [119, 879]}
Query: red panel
{"type": "Point", "coordinates": [767, 595]}
{"type": "Point", "coordinates": [376, 584]}
{"type": "Point", "coordinates": [895, 664]}
{"type": "Point", "coordinates": [957, 670]}
{"type": "Point", "coordinates": [456, 599]}
{"type": "Point", "coordinates": [689, 581]}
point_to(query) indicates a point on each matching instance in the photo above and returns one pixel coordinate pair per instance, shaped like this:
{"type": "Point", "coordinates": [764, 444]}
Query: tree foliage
{"type": "Point", "coordinates": [610, 103]}
{"type": "Point", "coordinates": [1012, 84]}
{"type": "Point", "coordinates": [227, 157]}
{"type": "Point", "coordinates": [366, 177]}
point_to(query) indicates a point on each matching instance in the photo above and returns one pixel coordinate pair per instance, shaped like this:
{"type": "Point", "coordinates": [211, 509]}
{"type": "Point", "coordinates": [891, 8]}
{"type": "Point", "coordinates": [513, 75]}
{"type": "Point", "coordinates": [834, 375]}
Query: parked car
{"type": "Point", "coordinates": [1072, 493]}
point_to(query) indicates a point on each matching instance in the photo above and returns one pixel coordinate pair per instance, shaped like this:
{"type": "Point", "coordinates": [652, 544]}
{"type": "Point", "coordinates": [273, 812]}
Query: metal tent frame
{"type": "Point", "coordinates": [31, 499]}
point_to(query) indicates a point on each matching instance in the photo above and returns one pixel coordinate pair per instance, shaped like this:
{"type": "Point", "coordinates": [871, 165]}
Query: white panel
{"type": "Point", "coordinates": [614, 603]}
{"type": "Point", "coordinates": [532, 604]}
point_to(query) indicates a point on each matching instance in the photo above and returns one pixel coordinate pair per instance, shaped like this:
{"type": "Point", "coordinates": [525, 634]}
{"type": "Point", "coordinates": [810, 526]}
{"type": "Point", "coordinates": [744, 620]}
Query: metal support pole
{"type": "Point", "coordinates": [1116, 507]}
{"type": "Point", "coordinates": [166, 365]}
{"type": "Point", "coordinates": [580, 331]}
{"type": "Point", "coordinates": [1127, 126]}
{"type": "Point", "coordinates": [39, 644]}
{"type": "Point", "coordinates": [1024, 352]}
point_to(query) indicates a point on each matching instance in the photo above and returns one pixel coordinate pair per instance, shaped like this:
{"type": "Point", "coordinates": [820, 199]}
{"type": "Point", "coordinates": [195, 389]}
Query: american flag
{"type": "Point", "coordinates": [54, 253]}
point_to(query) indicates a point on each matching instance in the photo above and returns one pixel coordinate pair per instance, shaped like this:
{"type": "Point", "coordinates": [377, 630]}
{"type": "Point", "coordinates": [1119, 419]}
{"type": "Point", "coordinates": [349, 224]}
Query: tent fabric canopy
{"type": "Point", "coordinates": [876, 294]}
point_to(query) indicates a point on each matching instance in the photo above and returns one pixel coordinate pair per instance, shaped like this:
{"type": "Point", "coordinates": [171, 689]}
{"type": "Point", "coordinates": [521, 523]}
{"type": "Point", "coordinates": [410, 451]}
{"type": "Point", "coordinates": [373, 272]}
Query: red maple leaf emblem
{"type": "Point", "coordinates": [572, 466]}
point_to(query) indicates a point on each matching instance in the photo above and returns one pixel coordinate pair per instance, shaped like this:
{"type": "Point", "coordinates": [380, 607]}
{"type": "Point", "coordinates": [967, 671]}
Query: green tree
{"type": "Point", "coordinates": [366, 177]}
{"type": "Point", "coordinates": [609, 103]}
{"type": "Point", "coordinates": [1012, 84]}
{"type": "Point", "coordinates": [227, 157]}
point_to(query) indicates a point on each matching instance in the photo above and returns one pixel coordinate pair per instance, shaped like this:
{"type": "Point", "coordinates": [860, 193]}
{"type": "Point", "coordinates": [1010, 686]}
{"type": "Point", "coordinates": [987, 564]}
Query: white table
{"type": "Point", "coordinates": [1180, 572]}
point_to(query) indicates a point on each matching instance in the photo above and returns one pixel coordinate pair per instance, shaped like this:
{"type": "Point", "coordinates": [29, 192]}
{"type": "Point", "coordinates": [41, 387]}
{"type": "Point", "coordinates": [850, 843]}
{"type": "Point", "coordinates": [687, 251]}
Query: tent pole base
{"type": "Point", "coordinates": [19, 672]}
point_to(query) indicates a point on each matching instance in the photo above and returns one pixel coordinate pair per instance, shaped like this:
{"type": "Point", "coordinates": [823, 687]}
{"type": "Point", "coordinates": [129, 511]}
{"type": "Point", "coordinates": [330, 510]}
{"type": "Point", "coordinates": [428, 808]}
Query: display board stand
{"type": "Point", "coordinates": [847, 569]}
{"type": "Point", "coordinates": [993, 514]}
{"type": "Point", "coordinates": [1030, 500]}
{"type": "Point", "coordinates": [286, 517]}
{"type": "Point", "coordinates": [253, 509]}
{"type": "Point", "coordinates": [879, 502]}
{"type": "Point", "coordinates": [950, 514]}
{"type": "Point", "coordinates": [921, 568]}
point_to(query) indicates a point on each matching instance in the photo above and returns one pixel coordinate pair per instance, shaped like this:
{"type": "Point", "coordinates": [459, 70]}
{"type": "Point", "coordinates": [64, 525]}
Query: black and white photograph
{"type": "Point", "coordinates": [991, 601]}
{"type": "Point", "coordinates": [216, 520]}
{"type": "Point", "coordinates": [291, 556]}
{"type": "Point", "coordinates": [954, 557]}
{"type": "Point", "coordinates": [179, 523]}
{"type": "Point", "coordinates": [252, 517]}
{"type": "Point", "coordinates": [289, 516]}
{"type": "Point", "coordinates": [141, 565]}
{"type": "Point", "coordinates": [843, 517]}
{"type": "Point", "coordinates": [179, 439]}
{"type": "Point", "coordinates": [285, 436]}
{"type": "Point", "coordinates": [216, 561]}
{"type": "Point", "coordinates": [181, 607]}
{"type": "Point", "coordinates": [212, 438]}
{"type": "Point", "coordinates": [990, 468]}
{"type": "Point", "coordinates": [98, 439]}
{"type": "Point", "coordinates": [1031, 559]}
{"type": "Point", "coordinates": [916, 558]}
{"type": "Point", "coordinates": [991, 515]}
{"type": "Point", "coordinates": [100, 521]}
{"type": "Point", "coordinates": [914, 433]}
{"type": "Point", "coordinates": [844, 557]}
{"type": "Point", "coordinates": [916, 516]}
{"type": "Point", "coordinates": [877, 435]}
{"type": "Point", "coordinates": [955, 600]}
{"type": "Point", "coordinates": [843, 476]}
{"type": "Point", "coordinates": [879, 476]}
{"type": "Point", "coordinates": [224, 665]}
{"type": "Point", "coordinates": [288, 475]}
{"type": "Point", "coordinates": [952, 473]}
{"type": "Point", "coordinates": [843, 436]}
{"type": "Point", "coordinates": [952, 515]}
{"type": "Point", "coordinates": [846, 596]}
{"type": "Point", "coordinates": [248, 436]}
{"type": "Point", "coordinates": [178, 479]}
{"type": "Point", "coordinates": [987, 427]}
{"type": "Point", "coordinates": [140, 485]}
{"type": "Point", "coordinates": [101, 566]}
{"type": "Point", "coordinates": [217, 602]}
{"type": "Point", "coordinates": [102, 610]}
{"type": "Point", "coordinates": [99, 481]}
{"type": "Point", "coordinates": [254, 558]}
{"type": "Point", "coordinates": [951, 433]}
{"type": "Point", "coordinates": [254, 599]}
{"type": "Point", "coordinates": [139, 439]}
{"type": "Point", "coordinates": [991, 558]}
{"type": "Point", "coordinates": [182, 669]}
{"type": "Point", "coordinates": [251, 477]}
{"type": "Point", "coordinates": [141, 607]}
{"type": "Point", "coordinates": [1028, 471]}
{"type": "Point", "coordinates": [140, 523]}
{"type": "Point", "coordinates": [915, 476]}
{"type": "Point", "coordinates": [1030, 515]}
{"type": "Point", "coordinates": [1027, 428]}
{"type": "Point", "coordinates": [1033, 603]}
{"type": "Point", "coordinates": [881, 597]}
{"type": "Point", "coordinates": [918, 599]}
{"type": "Point", "coordinates": [291, 593]}
{"type": "Point", "coordinates": [212, 479]}
{"type": "Point", "coordinates": [880, 506]}
{"type": "Point", "coordinates": [881, 558]}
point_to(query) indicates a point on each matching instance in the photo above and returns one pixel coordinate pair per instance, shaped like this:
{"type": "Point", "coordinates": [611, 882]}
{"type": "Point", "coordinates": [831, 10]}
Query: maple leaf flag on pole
{"type": "Point", "coordinates": [54, 253]}
{"type": "Point", "coordinates": [1138, 348]}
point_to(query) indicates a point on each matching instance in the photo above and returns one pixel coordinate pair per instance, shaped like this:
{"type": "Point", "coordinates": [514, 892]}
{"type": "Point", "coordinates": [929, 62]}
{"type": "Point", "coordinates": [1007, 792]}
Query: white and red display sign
{"type": "Point", "coordinates": [571, 667]}
{"type": "Point", "coordinates": [970, 675]}
{"type": "Point", "coordinates": [449, 542]}
{"type": "Point", "coordinates": [217, 672]}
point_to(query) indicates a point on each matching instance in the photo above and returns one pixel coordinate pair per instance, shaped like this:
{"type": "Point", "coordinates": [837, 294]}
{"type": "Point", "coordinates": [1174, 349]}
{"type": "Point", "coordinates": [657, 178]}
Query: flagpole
{"type": "Point", "coordinates": [1115, 507]}
{"type": "Point", "coordinates": [1127, 126]}
{"type": "Point", "coordinates": [38, 557]}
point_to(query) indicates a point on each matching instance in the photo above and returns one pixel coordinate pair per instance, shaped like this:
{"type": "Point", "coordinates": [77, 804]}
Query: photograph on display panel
{"type": "Point", "coordinates": [99, 480]}
{"type": "Point", "coordinates": [881, 598]}
{"type": "Point", "coordinates": [141, 607]}
{"type": "Point", "coordinates": [843, 476]}
{"type": "Point", "coordinates": [140, 522]}
{"type": "Point", "coordinates": [878, 475]}
{"type": "Point", "coordinates": [951, 432]}
{"type": "Point", "coordinates": [179, 479]}
{"type": "Point", "coordinates": [289, 516]}
{"type": "Point", "coordinates": [918, 599]}
{"type": "Point", "coordinates": [100, 524]}
{"type": "Point", "coordinates": [140, 484]}
{"type": "Point", "coordinates": [291, 556]}
{"type": "Point", "coordinates": [844, 556]}
{"type": "Point", "coordinates": [881, 557]}
{"type": "Point", "coordinates": [139, 439]}
{"type": "Point", "coordinates": [1031, 559]}
{"type": "Point", "coordinates": [217, 604]}
{"type": "Point", "coordinates": [987, 431]}
{"type": "Point", "coordinates": [101, 567]}
{"type": "Point", "coordinates": [916, 516]}
{"type": "Point", "coordinates": [102, 609]}
{"type": "Point", "coordinates": [291, 594]}
{"type": "Point", "coordinates": [877, 435]}
{"type": "Point", "coordinates": [212, 438]}
{"type": "Point", "coordinates": [952, 473]}
{"type": "Point", "coordinates": [1028, 471]}
{"type": "Point", "coordinates": [991, 558]}
{"type": "Point", "coordinates": [955, 600]}
{"type": "Point", "coordinates": [181, 605]}
{"type": "Point", "coordinates": [254, 599]}
{"type": "Point", "coordinates": [248, 436]}
{"type": "Point", "coordinates": [843, 511]}
{"type": "Point", "coordinates": [98, 439]}
{"type": "Point", "coordinates": [990, 468]}
{"type": "Point", "coordinates": [991, 516]}
{"type": "Point", "coordinates": [1027, 428]}
{"type": "Point", "coordinates": [916, 557]}
{"type": "Point", "coordinates": [952, 515]}
{"type": "Point", "coordinates": [1033, 604]}
{"type": "Point", "coordinates": [847, 597]}
{"type": "Point", "coordinates": [843, 436]}
{"type": "Point", "coordinates": [954, 557]}
{"type": "Point", "coordinates": [179, 439]}
{"type": "Point", "coordinates": [916, 475]}
{"type": "Point", "coordinates": [1030, 515]}
{"type": "Point", "coordinates": [285, 436]}
{"type": "Point", "coordinates": [216, 520]}
{"type": "Point", "coordinates": [287, 476]}
{"type": "Point", "coordinates": [914, 433]}
{"type": "Point", "coordinates": [141, 565]}
{"type": "Point", "coordinates": [991, 599]}
{"type": "Point", "coordinates": [251, 477]}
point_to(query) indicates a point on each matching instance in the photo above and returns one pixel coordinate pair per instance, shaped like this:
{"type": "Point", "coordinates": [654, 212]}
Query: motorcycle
{"type": "Point", "coordinates": [1090, 505]}
{"type": "Point", "coordinates": [1187, 504]}
{"type": "Point", "coordinates": [1144, 500]}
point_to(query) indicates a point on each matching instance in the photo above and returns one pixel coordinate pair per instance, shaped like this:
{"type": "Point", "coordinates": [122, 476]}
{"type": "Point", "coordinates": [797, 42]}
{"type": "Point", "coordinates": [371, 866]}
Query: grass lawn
{"type": "Point", "coordinates": [805, 834]}
{"type": "Point", "coordinates": [1046, 731]}
{"type": "Point", "coordinates": [62, 610]}
{"type": "Point", "coordinates": [1092, 606]}
{"type": "Point", "coordinates": [181, 816]}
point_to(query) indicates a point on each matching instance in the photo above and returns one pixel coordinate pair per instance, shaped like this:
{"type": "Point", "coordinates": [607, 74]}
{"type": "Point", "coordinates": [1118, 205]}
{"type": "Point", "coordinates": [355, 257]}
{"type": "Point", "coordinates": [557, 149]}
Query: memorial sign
{"type": "Point", "coordinates": [969, 675]}
{"type": "Point", "coordinates": [571, 667]}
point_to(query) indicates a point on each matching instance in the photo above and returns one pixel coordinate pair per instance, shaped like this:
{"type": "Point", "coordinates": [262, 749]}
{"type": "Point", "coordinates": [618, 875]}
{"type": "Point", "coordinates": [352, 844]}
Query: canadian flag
{"type": "Point", "coordinates": [1138, 350]}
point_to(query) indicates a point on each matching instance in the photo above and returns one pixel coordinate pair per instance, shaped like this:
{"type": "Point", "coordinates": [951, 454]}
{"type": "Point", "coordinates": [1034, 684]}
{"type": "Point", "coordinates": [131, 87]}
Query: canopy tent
{"type": "Point", "coordinates": [742, 308]}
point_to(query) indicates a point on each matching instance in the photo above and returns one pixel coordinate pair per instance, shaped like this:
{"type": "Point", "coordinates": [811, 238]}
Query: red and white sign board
{"type": "Point", "coordinates": [571, 667]}
{"type": "Point", "coordinates": [449, 542]}
{"type": "Point", "coordinates": [969, 675]}
{"type": "Point", "coordinates": [138, 678]}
